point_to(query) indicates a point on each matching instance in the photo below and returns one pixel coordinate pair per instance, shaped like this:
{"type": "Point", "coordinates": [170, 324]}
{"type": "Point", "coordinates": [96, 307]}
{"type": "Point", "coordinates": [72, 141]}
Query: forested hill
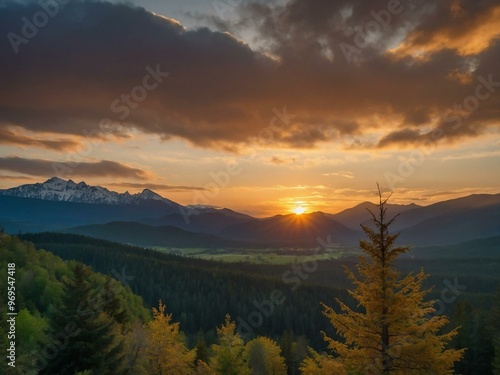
{"type": "Point", "coordinates": [199, 293]}
{"type": "Point", "coordinates": [38, 286]}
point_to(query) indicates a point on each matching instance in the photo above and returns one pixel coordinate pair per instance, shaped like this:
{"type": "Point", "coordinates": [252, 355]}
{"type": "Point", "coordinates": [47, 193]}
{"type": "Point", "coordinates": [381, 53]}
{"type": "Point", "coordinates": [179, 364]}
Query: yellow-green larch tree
{"type": "Point", "coordinates": [264, 357]}
{"type": "Point", "coordinates": [393, 330]}
{"type": "Point", "coordinates": [228, 355]}
{"type": "Point", "coordinates": [167, 353]}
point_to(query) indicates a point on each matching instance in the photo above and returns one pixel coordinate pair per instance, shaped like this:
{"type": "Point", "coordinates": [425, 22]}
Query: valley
{"type": "Point", "coordinates": [224, 262]}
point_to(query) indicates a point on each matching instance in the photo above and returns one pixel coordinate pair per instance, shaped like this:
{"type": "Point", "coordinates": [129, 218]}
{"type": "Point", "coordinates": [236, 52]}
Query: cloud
{"type": "Point", "coordinates": [473, 155]}
{"type": "Point", "coordinates": [466, 27]}
{"type": "Point", "coordinates": [403, 137]}
{"type": "Point", "coordinates": [451, 129]}
{"type": "Point", "coordinates": [280, 161]}
{"type": "Point", "coordinates": [90, 61]}
{"type": "Point", "coordinates": [8, 136]}
{"type": "Point", "coordinates": [40, 167]}
{"type": "Point", "coordinates": [10, 177]}
{"type": "Point", "coordinates": [345, 174]}
{"type": "Point", "coordinates": [176, 188]}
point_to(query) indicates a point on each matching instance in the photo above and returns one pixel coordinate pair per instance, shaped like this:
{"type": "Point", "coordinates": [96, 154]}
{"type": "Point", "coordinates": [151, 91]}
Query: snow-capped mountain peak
{"type": "Point", "coordinates": [56, 183]}
{"type": "Point", "coordinates": [57, 189]}
{"type": "Point", "coordinates": [149, 194]}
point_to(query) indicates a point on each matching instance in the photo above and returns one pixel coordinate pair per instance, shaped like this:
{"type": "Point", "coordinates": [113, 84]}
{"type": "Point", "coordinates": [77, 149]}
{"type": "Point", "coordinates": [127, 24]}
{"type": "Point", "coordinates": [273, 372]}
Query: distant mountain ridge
{"type": "Point", "coordinates": [293, 230]}
{"type": "Point", "coordinates": [146, 235]}
{"type": "Point", "coordinates": [59, 205]}
{"type": "Point", "coordinates": [57, 189]}
{"type": "Point", "coordinates": [360, 214]}
{"type": "Point", "coordinates": [208, 221]}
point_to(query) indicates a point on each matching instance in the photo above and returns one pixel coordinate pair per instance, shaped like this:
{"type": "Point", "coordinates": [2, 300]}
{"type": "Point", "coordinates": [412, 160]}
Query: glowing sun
{"type": "Point", "coordinates": [299, 210]}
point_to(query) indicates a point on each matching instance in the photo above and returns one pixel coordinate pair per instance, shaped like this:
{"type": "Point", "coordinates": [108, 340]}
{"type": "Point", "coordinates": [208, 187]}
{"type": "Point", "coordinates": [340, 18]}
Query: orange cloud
{"type": "Point", "coordinates": [41, 167]}
{"type": "Point", "coordinates": [15, 137]}
{"type": "Point", "coordinates": [222, 94]}
{"type": "Point", "coordinates": [466, 37]}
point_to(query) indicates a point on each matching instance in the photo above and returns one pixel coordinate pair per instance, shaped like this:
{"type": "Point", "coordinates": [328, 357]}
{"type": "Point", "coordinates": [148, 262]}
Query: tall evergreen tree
{"type": "Point", "coordinates": [85, 336]}
{"type": "Point", "coordinates": [111, 303]}
{"type": "Point", "coordinates": [464, 317]}
{"type": "Point", "coordinates": [201, 347]}
{"type": "Point", "coordinates": [495, 332]}
{"type": "Point", "coordinates": [395, 331]}
{"type": "Point", "coordinates": [289, 350]}
{"type": "Point", "coordinates": [483, 345]}
{"type": "Point", "coordinates": [474, 335]}
{"type": "Point", "coordinates": [496, 359]}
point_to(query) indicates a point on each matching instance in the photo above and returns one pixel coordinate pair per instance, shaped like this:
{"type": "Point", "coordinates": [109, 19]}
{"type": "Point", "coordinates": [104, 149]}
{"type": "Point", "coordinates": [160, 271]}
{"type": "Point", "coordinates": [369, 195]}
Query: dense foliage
{"type": "Point", "coordinates": [198, 294]}
{"type": "Point", "coordinates": [62, 308]}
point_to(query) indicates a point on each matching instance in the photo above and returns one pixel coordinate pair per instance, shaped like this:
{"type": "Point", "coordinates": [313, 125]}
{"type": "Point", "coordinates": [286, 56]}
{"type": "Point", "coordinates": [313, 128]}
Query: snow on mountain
{"type": "Point", "coordinates": [57, 189]}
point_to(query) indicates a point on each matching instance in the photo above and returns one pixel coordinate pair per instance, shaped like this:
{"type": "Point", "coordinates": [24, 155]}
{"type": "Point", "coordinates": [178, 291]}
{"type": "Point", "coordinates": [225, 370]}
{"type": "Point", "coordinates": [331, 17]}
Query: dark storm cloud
{"type": "Point", "coordinates": [40, 167]}
{"type": "Point", "coordinates": [220, 93]}
{"type": "Point", "coordinates": [460, 39]}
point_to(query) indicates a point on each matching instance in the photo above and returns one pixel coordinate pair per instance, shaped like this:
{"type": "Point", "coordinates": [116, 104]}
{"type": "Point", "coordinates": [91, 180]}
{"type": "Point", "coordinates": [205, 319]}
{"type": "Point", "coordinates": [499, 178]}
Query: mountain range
{"type": "Point", "coordinates": [57, 189]}
{"type": "Point", "coordinates": [149, 219]}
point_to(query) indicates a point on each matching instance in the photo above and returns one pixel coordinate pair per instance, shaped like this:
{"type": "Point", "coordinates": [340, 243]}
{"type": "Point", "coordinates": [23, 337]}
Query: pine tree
{"type": "Point", "coordinates": [166, 350]}
{"type": "Point", "coordinates": [201, 347]}
{"type": "Point", "coordinates": [87, 338]}
{"type": "Point", "coordinates": [111, 303]}
{"type": "Point", "coordinates": [394, 331]}
{"type": "Point", "coordinates": [464, 317]}
{"type": "Point", "coordinates": [496, 359]}
{"type": "Point", "coordinates": [289, 350]}
{"type": "Point", "coordinates": [495, 332]}
{"type": "Point", "coordinates": [484, 351]}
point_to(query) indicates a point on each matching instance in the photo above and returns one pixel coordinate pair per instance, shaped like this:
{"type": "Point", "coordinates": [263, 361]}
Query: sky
{"type": "Point", "coordinates": [259, 106]}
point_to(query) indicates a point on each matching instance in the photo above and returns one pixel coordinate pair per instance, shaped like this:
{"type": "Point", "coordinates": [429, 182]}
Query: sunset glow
{"type": "Point", "coordinates": [217, 110]}
{"type": "Point", "coordinates": [251, 181]}
{"type": "Point", "coordinates": [299, 210]}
